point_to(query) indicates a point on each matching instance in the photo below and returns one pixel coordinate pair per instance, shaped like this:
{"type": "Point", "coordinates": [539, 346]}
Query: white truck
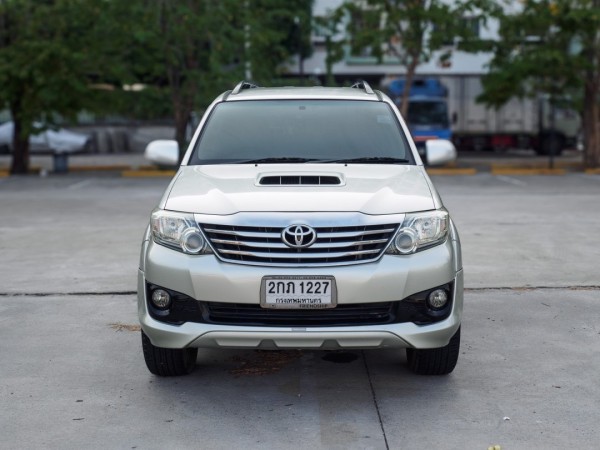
{"type": "Point", "coordinates": [520, 123]}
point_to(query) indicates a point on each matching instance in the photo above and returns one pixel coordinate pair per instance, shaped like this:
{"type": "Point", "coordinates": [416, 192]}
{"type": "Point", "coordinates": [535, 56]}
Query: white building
{"type": "Point", "coordinates": [355, 66]}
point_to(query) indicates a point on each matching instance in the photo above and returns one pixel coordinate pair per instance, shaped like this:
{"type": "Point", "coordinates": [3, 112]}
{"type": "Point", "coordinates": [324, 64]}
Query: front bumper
{"type": "Point", "coordinates": [391, 278]}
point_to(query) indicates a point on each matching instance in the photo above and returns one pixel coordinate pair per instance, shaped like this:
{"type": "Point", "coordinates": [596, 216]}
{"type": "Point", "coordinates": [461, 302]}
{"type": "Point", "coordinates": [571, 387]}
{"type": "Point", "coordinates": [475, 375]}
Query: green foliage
{"type": "Point", "coordinates": [58, 57]}
{"type": "Point", "coordinates": [195, 49]}
{"type": "Point", "coordinates": [541, 50]}
{"type": "Point", "coordinates": [329, 26]}
{"type": "Point", "coordinates": [52, 52]}
{"type": "Point", "coordinates": [410, 30]}
{"type": "Point", "coordinates": [150, 103]}
{"type": "Point", "coordinates": [46, 58]}
{"type": "Point", "coordinates": [551, 47]}
{"type": "Point", "coordinates": [277, 30]}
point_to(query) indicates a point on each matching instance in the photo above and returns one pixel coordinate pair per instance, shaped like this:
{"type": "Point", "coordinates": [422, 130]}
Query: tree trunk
{"type": "Point", "coordinates": [591, 102]}
{"type": "Point", "coordinates": [20, 148]}
{"type": "Point", "coordinates": [591, 124]}
{"type": "Point", "coordinates": [329, 80]}
{"type": "Point", "coordinates": [182, 109]}
{"type": "Point", "coordinates": [410, 75]}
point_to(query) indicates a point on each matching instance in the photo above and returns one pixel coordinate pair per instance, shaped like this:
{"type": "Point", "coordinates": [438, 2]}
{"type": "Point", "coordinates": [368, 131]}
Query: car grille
{"type": "Point", "coordinates": [249, 315]}
{"type": "Point", "coordinates": [264, 245]}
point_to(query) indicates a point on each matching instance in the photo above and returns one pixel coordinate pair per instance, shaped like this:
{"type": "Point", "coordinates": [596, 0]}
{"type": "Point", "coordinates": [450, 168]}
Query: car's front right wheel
{"type": "Point", "coordinates": [435, 361]}
{"type": "Point", "coordinates": [168, 362]}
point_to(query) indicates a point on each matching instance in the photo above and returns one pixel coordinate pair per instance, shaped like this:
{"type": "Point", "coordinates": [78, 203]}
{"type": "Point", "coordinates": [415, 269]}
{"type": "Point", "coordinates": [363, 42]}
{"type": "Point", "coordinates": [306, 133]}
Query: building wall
{"type": "Point", "coordinates": [461, 63]}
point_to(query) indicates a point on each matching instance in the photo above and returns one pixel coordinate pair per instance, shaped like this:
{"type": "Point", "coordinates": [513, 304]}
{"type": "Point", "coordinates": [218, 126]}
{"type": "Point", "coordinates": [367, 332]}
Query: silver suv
{"type": "Point", "coordinates": [300, 218]}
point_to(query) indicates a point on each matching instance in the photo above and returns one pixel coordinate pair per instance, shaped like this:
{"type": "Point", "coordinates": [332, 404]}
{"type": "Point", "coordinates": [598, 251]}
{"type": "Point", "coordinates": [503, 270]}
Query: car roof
{"type": "Point", "coordinates": [289, 92]}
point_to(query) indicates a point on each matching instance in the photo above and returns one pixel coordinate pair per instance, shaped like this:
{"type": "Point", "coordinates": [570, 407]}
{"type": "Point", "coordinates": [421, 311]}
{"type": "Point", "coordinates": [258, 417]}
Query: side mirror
{"type": "Point", "coordinates": [454, 118]}
{"type": "Point", "coordinates": [439, 151]}
{"type": "Point", "coordinates": [162, 153]}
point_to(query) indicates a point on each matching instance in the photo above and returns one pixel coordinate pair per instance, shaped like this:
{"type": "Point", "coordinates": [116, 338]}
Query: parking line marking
{"type": "Point", "coordinates": [79, 184]}
{"type": "Point", "coordinates": [511, 180]}
{"type": "Point", "coordinates": [589, 176]}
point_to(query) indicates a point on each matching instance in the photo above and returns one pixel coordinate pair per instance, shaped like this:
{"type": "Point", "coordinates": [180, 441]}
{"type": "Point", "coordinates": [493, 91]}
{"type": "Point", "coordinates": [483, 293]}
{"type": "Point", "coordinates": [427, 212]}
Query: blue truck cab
{"type": "Point", "coordinates": [427, 115]}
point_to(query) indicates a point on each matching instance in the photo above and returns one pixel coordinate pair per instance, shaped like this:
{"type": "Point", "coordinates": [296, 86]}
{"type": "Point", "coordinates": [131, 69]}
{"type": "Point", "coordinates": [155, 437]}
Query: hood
{"type": "Point", "coordinates": [370, 189]}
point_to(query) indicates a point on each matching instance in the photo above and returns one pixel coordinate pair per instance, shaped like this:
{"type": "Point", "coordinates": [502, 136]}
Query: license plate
{"type": "Point", "coordinates": [298, 292]}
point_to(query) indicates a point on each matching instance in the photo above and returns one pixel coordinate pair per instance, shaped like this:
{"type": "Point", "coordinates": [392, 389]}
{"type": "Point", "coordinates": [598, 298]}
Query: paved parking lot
{"type": "Point", "coordinates": [72, 373]}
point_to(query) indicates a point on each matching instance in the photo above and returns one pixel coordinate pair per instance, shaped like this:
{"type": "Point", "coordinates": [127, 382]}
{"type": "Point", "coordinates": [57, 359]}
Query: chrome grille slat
{"type": "Point", "coordinates": [283, 246]}
{"type": "Point", "coordinates": [245, 233]}
{"type": "Point", "coordinates": [355, 233]}
{"type": "Point", "coordinates": [346, 244]}
{"type": "Point", "coordinates": [250, 243]}
{"type": "Point", "coordinates": [337, 245]}
{"type": "Point", "coordinates": [299, 255]}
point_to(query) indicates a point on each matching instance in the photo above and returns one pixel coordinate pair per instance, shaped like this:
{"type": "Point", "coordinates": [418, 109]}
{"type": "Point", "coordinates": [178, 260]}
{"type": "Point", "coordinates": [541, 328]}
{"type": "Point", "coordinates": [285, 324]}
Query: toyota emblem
{"type": "Point", "coordinates": [298, 236]}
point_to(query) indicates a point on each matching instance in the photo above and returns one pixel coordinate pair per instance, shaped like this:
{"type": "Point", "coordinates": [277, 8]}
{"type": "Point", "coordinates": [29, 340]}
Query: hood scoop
{"type": "Point", "coordinates": [300, 180]}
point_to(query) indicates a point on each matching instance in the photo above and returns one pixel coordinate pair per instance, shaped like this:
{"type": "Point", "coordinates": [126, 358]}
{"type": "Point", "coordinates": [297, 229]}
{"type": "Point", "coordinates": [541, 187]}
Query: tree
{"type": "Point", "coordinates": [551, 47]}
{"type": "Point", "coordinates": [188, 47]}
{"type": "Point", "coordinates": [277, 30]}
{"type": "Point", "coordinates": [195, 49]}
{"type": "Point", "coordinates": [410, 30]}
{"type": "Point", "coordinates": [53, 52]}
{"type": "Point", "coordinates": [328, 26]}
{"type": "Point", "coordinates": [46, 59]}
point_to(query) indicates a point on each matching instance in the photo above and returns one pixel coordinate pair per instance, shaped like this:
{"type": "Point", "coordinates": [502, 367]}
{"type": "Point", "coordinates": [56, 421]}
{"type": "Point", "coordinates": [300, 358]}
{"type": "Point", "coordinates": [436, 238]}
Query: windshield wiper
{"type": "Point", "coordinates": [368, 160]}
{"type": "Point", "coordinates": [273, 160]}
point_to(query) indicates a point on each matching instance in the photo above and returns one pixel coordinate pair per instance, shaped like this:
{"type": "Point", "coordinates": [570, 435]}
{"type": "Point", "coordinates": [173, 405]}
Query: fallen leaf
{"type": "Point", "coordinates": [124, 326]}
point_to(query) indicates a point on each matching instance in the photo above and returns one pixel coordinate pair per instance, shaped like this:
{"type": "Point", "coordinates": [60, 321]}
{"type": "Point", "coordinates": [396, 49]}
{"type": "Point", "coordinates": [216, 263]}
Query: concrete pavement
{"type": "Point", "coordinates": [73, 376]}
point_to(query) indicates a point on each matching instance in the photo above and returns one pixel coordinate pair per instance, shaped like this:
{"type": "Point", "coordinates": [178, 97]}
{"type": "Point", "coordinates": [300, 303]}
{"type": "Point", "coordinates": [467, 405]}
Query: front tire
{"type": "Point", "coordinates": [168, 362]}
{"type": "Point", "coordinates": [435, 361]}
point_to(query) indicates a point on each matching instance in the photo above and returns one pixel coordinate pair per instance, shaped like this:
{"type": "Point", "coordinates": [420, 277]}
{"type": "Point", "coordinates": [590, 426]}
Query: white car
{"type": "Point", "coordinates": [55, 141]}
{"type": "Point", "coordinates": [301, 218]}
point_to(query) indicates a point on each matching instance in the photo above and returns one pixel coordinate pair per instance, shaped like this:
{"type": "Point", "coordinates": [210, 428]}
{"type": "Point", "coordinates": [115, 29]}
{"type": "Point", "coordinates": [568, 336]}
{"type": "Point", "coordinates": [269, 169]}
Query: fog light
{"type": "Point", "coordinates": [437, 299]}
{"type": "Point", "coordinates": [192, 241]}
{"type": "Point", "coordinates": [161, 298]}
{"type": "Point", "coordinates": [406, 241]}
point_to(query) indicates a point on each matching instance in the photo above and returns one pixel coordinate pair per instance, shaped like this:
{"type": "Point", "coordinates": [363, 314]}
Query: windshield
{"type": "Point", "coordinates": [427, 113]}
{"type": "Point", "coordinates": [299, 131]}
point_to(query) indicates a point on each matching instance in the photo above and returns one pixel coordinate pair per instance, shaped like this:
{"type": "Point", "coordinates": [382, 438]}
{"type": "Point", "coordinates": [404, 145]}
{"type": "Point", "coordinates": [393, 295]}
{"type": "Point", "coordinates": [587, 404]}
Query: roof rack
{"type": "Point", "coordinates": [241, 86]}
{"type": "Point", "coordinates": [362, 84]}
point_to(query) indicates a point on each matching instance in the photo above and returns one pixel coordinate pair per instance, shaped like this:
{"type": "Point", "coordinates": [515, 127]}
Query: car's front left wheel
{"type": "Point", "coordinates": [435, 361]}
{"type": "Point", "coordinates": [168, 362]}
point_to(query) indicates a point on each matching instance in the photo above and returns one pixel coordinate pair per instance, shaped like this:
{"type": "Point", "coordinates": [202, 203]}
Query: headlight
{"type": "Point", "coordinates": [420, 231]}
{"type": "Point", "coordinates": [178, 231]}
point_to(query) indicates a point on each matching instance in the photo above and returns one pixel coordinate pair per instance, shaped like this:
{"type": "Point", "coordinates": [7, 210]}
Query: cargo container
{"type": "Point", "coordinates": [522, 123]}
